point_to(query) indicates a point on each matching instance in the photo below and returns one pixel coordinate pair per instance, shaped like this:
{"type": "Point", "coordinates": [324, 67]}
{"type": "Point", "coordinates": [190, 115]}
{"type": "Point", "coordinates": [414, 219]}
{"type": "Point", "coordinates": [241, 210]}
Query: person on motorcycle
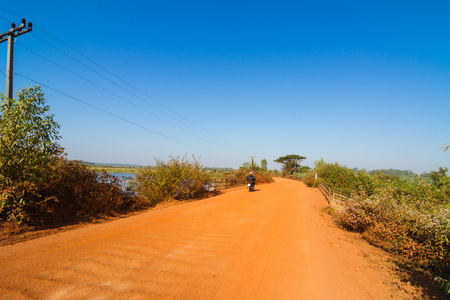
{"type": "Point", "coordinates": [251, 179]}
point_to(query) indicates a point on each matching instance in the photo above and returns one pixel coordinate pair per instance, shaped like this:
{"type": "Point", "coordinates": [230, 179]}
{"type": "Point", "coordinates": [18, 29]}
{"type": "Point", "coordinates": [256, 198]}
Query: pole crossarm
{"type": "Point", "coordinates": [16, 31]}
{"type": "Point", "coordinates": [9, 36]}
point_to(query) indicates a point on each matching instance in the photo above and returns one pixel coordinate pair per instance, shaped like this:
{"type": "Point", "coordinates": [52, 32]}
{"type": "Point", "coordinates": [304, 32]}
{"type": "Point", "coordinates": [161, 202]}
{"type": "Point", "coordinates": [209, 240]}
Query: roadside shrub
{"type": "Point", "coordinates": [418, 228]}
{"type": "Point", "coordinates": [367, 183]}
{"type": "Point", "coordinates": [74, 190]}
{"type": "Point", "coordinates": [411, 219]}
{"type": "Point", "coordinates": [300, 176]}
{"type": "Point", "coordinates": [310, 180]}
{"type": "Point", "coordinates": [337, 177]}
{"type": "Point", "coordinates": [274, 173]}
{"type": "Point", "coordinates": [176, 179]}
{"type": "Point", "coordinates": [348, 181]}
{"type": "Point", "coordinates": [353, 217]}
{"type": "Point", "coordinates": [68, 191]}
{"type": "Point", "coordinates": [18, 200]}
{"type": "Point", "coordinates": [238, 177]}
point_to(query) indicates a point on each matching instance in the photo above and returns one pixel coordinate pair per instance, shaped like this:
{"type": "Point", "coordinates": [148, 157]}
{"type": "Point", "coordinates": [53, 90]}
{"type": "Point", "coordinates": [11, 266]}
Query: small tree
{"type": "Point", "coordinates": [28, 144]}
{"type": "Point", "coordinates": [28, 135]}
{"type": "Point", "coordinates": [264, 164]}
{"type": "Point", "coordinates": [250, 166]}
{"type": "Point", "coordinates": [246, 166]}
{"type": "Point", "coordinates": [290, 163]}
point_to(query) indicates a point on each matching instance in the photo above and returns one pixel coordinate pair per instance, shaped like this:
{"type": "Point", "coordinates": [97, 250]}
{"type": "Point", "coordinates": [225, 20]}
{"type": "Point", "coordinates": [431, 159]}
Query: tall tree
{"type": "Point", "coordinates": [290, 163]}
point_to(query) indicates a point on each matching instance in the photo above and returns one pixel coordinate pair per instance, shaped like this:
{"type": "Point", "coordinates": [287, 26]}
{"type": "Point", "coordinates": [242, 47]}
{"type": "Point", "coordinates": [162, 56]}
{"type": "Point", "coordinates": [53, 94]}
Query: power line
{"type": "Point", "coordinates": [6, 20]}
{"type": "Point", "coordinates": [217, 140]}
{"type": "Point", "coordinates": [10, 12]}
{"type": "Point", "coordinates": [106, 90]}
{"type": "Point", "coordinates": [104, 77]}
{"type": "Point", "coordinates": [81, 63]}
{"type": "Point", "coordinates": [132, 86]}
{"type": "Point", "coordinates": [214, 137]}
{"type": "Point", "coordinates": [118, 117]}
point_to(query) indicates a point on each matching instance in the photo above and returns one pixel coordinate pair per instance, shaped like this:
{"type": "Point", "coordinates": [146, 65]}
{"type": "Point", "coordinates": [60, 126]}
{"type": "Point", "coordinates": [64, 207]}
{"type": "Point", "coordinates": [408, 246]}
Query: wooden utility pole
{"type": "Point", "coordinates": [9, 36]}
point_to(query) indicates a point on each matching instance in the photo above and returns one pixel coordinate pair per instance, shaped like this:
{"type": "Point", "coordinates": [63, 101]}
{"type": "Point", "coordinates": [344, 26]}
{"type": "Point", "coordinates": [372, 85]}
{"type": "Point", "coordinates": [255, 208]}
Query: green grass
{"type": "Point", "coordinates": [109, 169]}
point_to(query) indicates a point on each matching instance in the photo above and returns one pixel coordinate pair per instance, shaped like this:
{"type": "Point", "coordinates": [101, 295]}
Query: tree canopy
{"type": "Point", "coordinates": [28, 135]}
{"type": "Point", "coordinates": [28, 148]}
{"type": "Point", "coordinates": [264, 164]}
{"type": "Point", "coordinates": [290, 162]}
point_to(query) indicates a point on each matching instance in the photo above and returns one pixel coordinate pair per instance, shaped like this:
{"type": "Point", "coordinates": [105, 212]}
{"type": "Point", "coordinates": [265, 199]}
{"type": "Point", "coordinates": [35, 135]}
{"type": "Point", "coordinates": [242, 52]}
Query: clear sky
{"type": "Point", "coordinates": [362, 83]}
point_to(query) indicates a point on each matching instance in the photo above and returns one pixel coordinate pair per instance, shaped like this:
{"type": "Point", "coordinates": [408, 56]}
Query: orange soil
{"type": "Point", "coordinates": [273, 243]}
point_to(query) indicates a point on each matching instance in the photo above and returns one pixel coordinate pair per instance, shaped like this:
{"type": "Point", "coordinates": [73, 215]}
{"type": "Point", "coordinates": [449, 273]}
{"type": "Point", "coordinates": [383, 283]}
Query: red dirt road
{"type": "Point", "coordinates": [273, 243]}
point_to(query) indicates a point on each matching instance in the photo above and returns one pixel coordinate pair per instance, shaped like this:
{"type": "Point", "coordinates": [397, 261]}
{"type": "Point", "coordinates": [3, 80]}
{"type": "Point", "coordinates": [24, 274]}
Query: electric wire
{"type": "Point", "coordinates": [76, 60]}
{"type": "Point", "coordinates": [101, 75]}
{"type": "Point", "coordinates": [108, 91]}
{"type": "Point", "coordinates": [132, 86]}
{"type": "Point", "coordinates": [106, 78]}
{"type": "Point", "coordinates": [84, 56]}
{"type": "Point", "coordinates": [6, 20]}
{"type": "Point", "coordinates": [10, 12]}
{"type": "Point", "coordinates": [118, 117]}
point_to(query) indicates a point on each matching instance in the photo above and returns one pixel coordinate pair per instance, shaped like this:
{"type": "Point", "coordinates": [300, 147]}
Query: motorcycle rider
{"type": "Point", "coordinates": [251, 179]}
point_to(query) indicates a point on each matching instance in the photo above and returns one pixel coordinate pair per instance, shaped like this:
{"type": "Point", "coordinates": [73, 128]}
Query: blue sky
{"type": "Point", "coordinates": [362, 83]}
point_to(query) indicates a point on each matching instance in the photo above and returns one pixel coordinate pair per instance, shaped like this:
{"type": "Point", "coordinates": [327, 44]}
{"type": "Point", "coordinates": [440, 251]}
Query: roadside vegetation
{"type": "Point", "coordinates": [401, 212]}
{"type": "Point", "coordinates": [181, 179]}
{"type": "Point", "coordinates": [237, 178]}
{"type": "Point", "coordinates": [41, 188]}
{"type": "Point", "coordinates": [177, 179]}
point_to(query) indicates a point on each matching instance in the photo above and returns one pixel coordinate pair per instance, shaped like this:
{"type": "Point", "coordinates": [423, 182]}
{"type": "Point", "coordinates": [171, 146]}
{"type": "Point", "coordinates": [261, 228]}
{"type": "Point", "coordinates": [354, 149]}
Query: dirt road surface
{"type": "Point", "coordinates": [273, 243]}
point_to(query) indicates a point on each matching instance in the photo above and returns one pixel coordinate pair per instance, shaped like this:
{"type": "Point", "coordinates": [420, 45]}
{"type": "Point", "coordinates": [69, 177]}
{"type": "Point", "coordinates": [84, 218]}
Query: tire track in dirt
{"type": "Point", "coordinates": [268, 244]}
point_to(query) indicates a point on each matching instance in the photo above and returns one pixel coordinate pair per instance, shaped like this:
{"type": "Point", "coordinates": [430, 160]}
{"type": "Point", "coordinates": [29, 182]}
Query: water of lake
{"type": "Point", "coordinates": [124, 175]}
{"type": "Point", "coordinates": [125, 179]}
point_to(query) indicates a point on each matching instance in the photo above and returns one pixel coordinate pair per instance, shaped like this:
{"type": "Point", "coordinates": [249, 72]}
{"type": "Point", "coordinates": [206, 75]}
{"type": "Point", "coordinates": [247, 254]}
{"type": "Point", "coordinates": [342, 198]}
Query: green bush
{"type": "Point", "coordinates": [28, 145]}
{"type": "Point", "coordinates": [299, 175]}
{"type": "Point", "coordinates": [347, 181]}
{"type": "Point", "coordinates": [337, 177]}
{"type": "Point", "coordinates": [177, 179]}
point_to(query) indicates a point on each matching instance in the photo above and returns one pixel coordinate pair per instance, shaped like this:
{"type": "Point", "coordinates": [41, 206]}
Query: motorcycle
{"type": "Point", "coordinates": [251, 186]}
